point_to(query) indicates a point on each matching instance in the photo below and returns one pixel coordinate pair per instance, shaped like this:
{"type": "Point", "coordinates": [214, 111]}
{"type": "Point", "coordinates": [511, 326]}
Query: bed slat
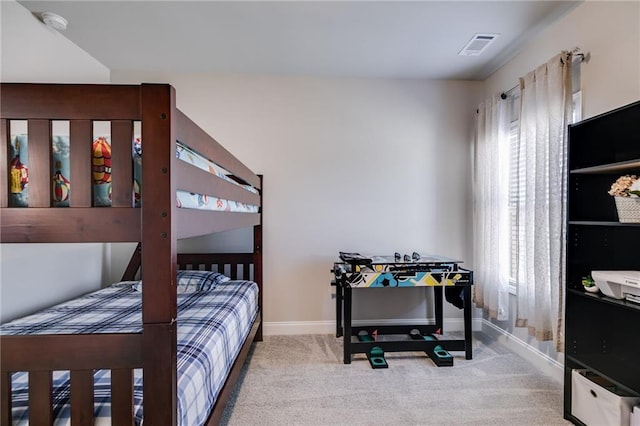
{"type": "Point", "coordinates": [5, 398]}
{"type": "Point", "coordinates": [4, 162]}
{"type": "Point", "coordinates": [220, 260]}
{"type": "Point", "coordinates": [122, 396]}
{"type": "Point", "coordinates": [81, 397]}
{"type": "Point", "coordinates": [40, 398]}
{"type": "Point", "coordinates": [190, 178]}
{"type": "Point", "coordinates": [121, 168]}
{"type": "Point", "coordinates": [70, 351]}
{"type": "Point", "coordinates": [214, 258]}
{"type": "Point", "coordinates": [80, 168]}
{"type": "Point", "coordinates": [70, 225]}
{"type": "Point", "coordinates": [40, 176]}
{"type": "Point", "coordinates": [233, 272]}
{"type": "Point", "coordinates": [196, 261]}
{"type": "Point", "coordinates": [81, 101]}
{"type": "Point", "coordinates": [246, 271]}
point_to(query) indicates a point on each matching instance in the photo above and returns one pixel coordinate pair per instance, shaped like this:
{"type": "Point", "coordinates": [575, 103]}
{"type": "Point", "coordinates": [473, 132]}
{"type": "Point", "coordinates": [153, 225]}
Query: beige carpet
{"type": "Point", "coordinates": [301, 380]}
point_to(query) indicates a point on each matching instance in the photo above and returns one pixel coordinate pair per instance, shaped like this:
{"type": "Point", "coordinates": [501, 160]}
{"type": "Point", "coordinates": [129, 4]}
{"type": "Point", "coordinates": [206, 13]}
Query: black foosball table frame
{"type": "Point", "coordinates": [388, 271]}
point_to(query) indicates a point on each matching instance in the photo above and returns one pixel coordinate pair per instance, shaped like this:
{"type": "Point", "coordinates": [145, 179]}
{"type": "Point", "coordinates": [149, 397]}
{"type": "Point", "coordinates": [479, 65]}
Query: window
{"type": "Point", "coordinates": [516, 190]}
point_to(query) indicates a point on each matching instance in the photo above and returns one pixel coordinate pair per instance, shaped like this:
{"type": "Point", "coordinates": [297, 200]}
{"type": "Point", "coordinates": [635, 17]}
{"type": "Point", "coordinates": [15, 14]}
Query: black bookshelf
{"type": "Point", "coordinates": [601, 334]}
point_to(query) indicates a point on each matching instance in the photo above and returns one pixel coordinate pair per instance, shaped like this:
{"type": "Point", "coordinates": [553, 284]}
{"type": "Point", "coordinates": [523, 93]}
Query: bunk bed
{"type": "Point", "coordinates": [144, 206]}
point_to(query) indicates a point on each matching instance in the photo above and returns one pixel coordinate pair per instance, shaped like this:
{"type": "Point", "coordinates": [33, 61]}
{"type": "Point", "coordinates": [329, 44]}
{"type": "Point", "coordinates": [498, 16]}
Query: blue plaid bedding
{"type": "Point", "coordinates": [212, 325]}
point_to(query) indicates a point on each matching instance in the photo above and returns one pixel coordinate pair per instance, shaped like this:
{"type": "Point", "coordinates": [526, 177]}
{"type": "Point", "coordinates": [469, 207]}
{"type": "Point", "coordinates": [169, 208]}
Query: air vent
{"type": "Point", "coordinates": [477, 44]}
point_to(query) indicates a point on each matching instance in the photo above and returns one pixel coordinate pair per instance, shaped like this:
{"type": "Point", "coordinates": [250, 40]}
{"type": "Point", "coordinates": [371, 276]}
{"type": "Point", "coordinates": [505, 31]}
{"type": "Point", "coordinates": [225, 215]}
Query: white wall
{"type": "Point", "coordinates": [32, 52]}
{"type": "Point", "coordinates": [33, 276]}
{"type": "Point", "coordinates": [349, 164]}
{"type": "Point", "coordinates": [610, 32]}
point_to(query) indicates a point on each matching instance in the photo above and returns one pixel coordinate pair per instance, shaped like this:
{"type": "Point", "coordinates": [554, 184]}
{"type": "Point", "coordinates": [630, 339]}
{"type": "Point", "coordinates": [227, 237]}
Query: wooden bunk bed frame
{"type": "Point", "coordinates": [156, 226]}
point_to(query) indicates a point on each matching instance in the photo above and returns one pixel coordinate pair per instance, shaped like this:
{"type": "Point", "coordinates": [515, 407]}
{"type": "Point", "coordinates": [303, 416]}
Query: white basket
{"type": "Point", "coordinates": [628, 209]}
{"type": "Point", "coordinates": [595, 401]}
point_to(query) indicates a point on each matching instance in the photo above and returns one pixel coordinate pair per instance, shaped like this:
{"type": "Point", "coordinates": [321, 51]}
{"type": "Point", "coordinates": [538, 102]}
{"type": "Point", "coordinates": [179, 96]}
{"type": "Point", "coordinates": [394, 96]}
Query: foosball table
{"type": "Point", "coordinates": [448, 280]}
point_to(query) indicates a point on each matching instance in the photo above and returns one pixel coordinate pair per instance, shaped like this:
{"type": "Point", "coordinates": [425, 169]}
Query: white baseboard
{"type": "Point", "coordinates": [282, 328]}
{"type": "Point", "coordinates": [329, 327]}
{"type": "Point", "coordinates": [541, 360]}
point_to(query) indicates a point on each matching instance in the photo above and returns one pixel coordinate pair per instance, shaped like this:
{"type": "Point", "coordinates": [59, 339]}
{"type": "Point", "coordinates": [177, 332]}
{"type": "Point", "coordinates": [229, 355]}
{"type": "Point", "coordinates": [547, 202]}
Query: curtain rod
{"type": "Point", "coordinates": [575, 53]}
{"type": "Point", "coordinates": [506, 93]}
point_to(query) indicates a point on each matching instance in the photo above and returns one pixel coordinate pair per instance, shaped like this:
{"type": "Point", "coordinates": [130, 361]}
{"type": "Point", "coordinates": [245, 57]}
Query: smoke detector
{"type": "Point", "coordinates": [53, 20]}
{"type": "Point", "coordinates": [477, 44]}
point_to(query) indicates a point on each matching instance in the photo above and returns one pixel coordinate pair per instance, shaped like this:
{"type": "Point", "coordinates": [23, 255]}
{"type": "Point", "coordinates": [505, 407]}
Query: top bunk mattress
{"type": "Point", "coordinates": [213, 323]}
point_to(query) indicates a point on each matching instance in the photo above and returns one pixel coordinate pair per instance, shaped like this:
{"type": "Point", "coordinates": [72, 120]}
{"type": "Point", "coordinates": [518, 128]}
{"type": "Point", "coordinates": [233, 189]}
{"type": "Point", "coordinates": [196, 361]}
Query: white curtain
{"type": "Point", "coordinates": [544, 116]}
{"type": "Point", "coordinates": [491, 208]}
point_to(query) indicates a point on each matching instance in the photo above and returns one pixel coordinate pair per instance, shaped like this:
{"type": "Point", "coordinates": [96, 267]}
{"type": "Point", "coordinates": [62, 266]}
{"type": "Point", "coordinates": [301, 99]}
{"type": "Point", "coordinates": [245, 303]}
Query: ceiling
{"type": "Point", "coordinates": [398, 39]}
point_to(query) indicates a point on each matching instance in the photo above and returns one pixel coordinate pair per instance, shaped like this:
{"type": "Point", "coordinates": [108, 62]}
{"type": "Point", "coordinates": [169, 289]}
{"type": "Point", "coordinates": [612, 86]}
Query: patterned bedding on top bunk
{"type": "Point", "coordinates": [101, 175]}
{"type": "Point", "coordinates": [214, 317]}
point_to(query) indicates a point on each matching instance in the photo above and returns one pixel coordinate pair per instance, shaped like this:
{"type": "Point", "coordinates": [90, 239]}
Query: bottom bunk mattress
{"type": "Point", "coordinates": [213, 323]}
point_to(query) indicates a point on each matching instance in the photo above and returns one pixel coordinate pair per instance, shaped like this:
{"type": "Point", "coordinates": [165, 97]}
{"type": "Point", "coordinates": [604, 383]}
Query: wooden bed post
{"type": "Point", "coordinates": [159, 258]}
{"type": "Point", "coordinates": [257, 261]}
{"type": "Point", "coordinates": [4, 162]}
